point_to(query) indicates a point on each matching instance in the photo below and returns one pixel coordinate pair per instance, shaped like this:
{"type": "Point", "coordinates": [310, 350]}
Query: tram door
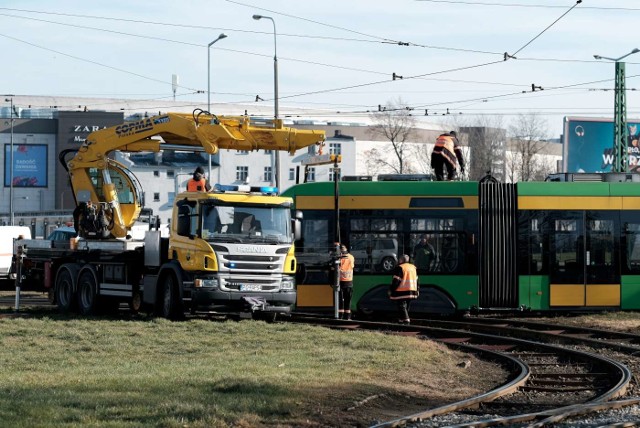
{"type": "Point", "coordinates": [582, 261]}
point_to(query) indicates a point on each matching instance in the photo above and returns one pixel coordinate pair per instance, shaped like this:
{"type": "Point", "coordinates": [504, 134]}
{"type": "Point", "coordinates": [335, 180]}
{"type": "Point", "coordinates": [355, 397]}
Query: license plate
{"type": "Point", "coordinates": [250, 287]}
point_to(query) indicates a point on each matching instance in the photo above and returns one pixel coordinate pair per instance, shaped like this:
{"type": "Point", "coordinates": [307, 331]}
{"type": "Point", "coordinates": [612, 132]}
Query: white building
{"type": "Point", "coordinates": [50, 125]}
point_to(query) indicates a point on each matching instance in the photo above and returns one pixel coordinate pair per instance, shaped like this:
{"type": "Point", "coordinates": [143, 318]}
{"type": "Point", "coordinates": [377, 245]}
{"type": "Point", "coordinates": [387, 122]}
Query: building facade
{"type": "Point", "coordinates": [42, 197]}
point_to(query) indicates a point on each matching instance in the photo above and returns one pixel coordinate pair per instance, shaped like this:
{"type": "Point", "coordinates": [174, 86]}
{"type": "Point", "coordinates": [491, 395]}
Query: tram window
{"type": "Point", "coordinates": [447, 237]}
{"type": "Point", "coordinates": [374, 225]}
{"type": "Point", "coordinates": [315, 233]}
{"type": "Point", "coordinates": [536, 246]}
{"type": "Point", "coordinates": [384, 224]}
{"type": "Point", "coordinates": [359, 224]}
{"type": "Point", "coordinates": [566, 225]}
{"type": "Point", "coordinates": [532, 242]}
{"type": "Point", "coordinates": [632, 234]}
{"type": "Point", "coordinates": [375, 252]}
{"type": "Point", "coordinates": [566, 242]}
{"type": "Point", "coordinates": [437, 224]}
{"type": "Point", "coordinates": [423, 252]}
{"type": "Point", "coordinates": [601, 246]}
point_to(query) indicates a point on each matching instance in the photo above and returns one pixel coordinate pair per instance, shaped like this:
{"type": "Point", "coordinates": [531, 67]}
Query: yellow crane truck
{"type": "Point", "coordinates": [229, 249]}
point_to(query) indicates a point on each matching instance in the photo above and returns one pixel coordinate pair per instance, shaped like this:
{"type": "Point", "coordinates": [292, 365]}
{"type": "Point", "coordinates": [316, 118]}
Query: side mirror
{"type": "Point", "coordinates": [297, 229]}
{"type": "Point", "coordinates": [297, 225]}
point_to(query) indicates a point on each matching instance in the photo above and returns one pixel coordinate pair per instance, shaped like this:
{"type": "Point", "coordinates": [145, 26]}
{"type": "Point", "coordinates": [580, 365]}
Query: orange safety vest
{"type": "Point", "coordinates": [346, 268]}
{"type": "Point", "coordinates": [408, 288]}
{"type": "Point", "coordinates": [196, 185]}
{"type": "Point", "coordinates": [446, 147]}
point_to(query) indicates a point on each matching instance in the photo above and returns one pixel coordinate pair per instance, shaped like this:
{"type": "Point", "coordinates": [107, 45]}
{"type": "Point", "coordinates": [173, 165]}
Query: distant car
{"type": "Point", "coordinates": [376, 253]}
{"type": "Point", "coordinates": [7, 235]}
{"type": "Point", "coordinates": [63, 233]}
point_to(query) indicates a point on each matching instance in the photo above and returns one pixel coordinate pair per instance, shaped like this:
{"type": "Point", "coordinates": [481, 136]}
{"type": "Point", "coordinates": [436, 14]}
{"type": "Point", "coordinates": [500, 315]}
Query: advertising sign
{"type": "Point", "coordinates": [29, 165]}
{"type": "Point", "coordinates": [588, 145]}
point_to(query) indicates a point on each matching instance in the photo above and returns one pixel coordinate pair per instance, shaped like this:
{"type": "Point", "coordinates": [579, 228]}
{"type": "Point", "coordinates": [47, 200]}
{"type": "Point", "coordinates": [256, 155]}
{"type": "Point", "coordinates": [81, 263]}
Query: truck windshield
{"type": "Point", "coordinates": [254, 224]}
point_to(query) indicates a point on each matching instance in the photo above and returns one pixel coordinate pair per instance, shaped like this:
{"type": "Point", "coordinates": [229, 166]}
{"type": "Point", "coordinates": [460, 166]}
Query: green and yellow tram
{"type": "Point", "coordinates": [541, 246]}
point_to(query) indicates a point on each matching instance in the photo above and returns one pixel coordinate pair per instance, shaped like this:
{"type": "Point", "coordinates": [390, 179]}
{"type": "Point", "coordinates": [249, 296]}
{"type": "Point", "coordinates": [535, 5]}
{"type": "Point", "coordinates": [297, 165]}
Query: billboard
{"type": "Point", "coordinates": [588, 145]}
{"type": "Point", "coordinates": [29, 165]}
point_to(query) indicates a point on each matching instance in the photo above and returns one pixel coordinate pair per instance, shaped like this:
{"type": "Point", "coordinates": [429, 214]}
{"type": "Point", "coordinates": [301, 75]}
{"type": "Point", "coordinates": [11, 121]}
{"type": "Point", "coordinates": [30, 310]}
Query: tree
{"type": "Point", "coordinates": [485, 138]}
{"type": "Point", "coordinates": [528, 133]}
{"type": "Point", "coordinates": [396, 125]}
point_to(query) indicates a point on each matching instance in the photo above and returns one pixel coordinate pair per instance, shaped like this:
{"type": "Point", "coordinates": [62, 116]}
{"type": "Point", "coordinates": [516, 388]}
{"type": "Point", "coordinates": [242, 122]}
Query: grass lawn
{"type": "Point", "coordinates": [66, 371]}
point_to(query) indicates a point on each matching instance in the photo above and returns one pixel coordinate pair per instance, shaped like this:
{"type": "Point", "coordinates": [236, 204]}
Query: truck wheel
{"type": "Point", "coordinates": [170, 307]}
{"type": "Point", "coordinates": [135, 303]}
{"type": "Point", "coordinates": [65, 295]}
{"type": "Point", "coordinates": [87, 293]}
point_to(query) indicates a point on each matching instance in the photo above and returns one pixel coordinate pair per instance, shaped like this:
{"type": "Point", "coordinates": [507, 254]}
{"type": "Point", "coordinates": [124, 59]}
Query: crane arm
{"type": "Point", "coordinates": [97, 179]}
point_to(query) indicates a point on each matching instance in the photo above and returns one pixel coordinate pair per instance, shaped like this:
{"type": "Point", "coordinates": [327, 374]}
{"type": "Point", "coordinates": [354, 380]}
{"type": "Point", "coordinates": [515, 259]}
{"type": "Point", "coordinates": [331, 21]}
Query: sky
{"type": "Point", "coordinates": [334, 55]}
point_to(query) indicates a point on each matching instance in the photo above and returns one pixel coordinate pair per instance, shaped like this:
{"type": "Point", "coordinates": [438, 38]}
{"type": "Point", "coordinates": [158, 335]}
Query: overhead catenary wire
{"type": "Point", "coordinates": [522, 5]}
{"type": "Point", "coordinates": [547, 28]}
{"type": "Point", "coordinates": [89, 61]}
{"type": "Point", "coordinates": [323, 91]}
{"type": "Point", "coordinates": [259, 54]}
{"type": "Point", "coordinates": [192, 26]}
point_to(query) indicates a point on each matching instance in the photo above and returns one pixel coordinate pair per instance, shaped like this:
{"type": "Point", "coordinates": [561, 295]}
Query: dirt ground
{"type": "Point", "coordinates": [439, 391]}
{"type": "Point", "coordinates": [412, 393]}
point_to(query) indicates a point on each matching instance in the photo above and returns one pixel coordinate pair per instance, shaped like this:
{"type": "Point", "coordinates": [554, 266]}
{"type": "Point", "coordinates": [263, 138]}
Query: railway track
{"type": "Point", "coordinates": [562, 382]}
{"type": "Point", "coordinates": [548, 384]}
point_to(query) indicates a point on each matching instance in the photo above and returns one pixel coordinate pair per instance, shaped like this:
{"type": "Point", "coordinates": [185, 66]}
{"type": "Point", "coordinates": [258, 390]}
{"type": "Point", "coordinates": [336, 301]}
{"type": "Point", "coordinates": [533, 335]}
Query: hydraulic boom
{"type": "Point", "coordinates": [114, 194]}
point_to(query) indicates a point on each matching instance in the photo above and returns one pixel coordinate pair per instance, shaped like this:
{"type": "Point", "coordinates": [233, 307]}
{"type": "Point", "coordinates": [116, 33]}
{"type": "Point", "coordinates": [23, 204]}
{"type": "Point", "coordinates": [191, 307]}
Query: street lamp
{"type": "Point", "coordinates": [275, 92]}
{"type": "Point", "coordinates": [620, 132]}
{"type": "Point", "coordinates": [11, 164]}
{"type": "Point", "coordinates": [220, 37]}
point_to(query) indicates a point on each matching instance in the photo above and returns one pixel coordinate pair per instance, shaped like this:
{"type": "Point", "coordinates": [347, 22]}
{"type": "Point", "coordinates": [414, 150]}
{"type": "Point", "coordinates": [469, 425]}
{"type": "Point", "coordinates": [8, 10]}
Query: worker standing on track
{"type": "Point", "coordinates": [347, 264]}
{"type": "Point", "coordinates": [447, 154]}
{"type": "Point", "coordinates": [404, 287]}
{"type": "Point", "coordinates": [198, 183]}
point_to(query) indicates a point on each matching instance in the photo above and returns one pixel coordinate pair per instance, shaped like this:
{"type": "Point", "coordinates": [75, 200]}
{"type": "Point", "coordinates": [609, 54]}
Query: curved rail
{"type": "Point", "coordinates": [618, 376]}
{"type": "Point", "coordinates": [522, 370]}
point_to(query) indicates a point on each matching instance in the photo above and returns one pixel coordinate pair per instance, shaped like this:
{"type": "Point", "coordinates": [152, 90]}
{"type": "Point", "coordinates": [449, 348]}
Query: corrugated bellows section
{"type": "Point", "coordinates": [497, 244]}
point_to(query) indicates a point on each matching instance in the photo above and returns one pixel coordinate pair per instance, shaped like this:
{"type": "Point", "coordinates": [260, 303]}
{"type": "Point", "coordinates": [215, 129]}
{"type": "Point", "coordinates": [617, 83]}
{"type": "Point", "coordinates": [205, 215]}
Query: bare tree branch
{"type": "Point", "coordinates": [395, 124]}
{"type": "Point", "coordinates": [529, 134]}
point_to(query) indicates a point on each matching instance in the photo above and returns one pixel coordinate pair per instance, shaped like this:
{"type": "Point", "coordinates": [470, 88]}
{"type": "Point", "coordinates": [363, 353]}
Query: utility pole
{"type": "Point", "coordinates": [620, 131]}
{"type": "Point", "coordinates": [11, 214]}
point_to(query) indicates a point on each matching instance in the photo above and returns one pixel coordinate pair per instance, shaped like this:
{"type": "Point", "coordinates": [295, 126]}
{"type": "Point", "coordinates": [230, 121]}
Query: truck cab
{"type": "Point", "coordinates": [231, 250]}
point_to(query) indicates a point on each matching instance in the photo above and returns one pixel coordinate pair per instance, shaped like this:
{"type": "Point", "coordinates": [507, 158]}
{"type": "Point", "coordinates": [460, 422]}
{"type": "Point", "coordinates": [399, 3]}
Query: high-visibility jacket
{"type": "Point", "coordinates": [445, 146]}
{"type": "Point", "coordinates": [196, 185]}
{"type": "Point", "coordinates": [347, 263]}
{"type": "Point", "coordinates": [407, 279]}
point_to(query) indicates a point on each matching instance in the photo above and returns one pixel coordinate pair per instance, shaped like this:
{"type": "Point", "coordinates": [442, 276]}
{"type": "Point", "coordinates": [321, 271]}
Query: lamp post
{"type": "Point", "coordinates": [620, 132]}
{"type": "Point", "coordinates": [275, 92]}
{"type": "Point", "coordinates": [220, 37]}
{"type": "Point", "coordinates": [11, 164]}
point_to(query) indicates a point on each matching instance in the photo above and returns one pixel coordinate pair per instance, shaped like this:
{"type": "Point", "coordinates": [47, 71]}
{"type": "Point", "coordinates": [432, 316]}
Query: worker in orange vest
{"type": "Point", "coordinates": [404, 287]}
{"type": "Point", "coordinates": [347, 264]}
{"type": "Point", "coordinates": [198, 183]}
{"type": "Point", "coordinates": [447, 153]}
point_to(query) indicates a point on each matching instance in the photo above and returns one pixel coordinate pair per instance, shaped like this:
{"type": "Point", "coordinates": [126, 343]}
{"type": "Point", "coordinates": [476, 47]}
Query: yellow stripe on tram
{"type": "Point", "coordinates": [376, 202]}
{"type": "Point", "coordinates": [577, 202]}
